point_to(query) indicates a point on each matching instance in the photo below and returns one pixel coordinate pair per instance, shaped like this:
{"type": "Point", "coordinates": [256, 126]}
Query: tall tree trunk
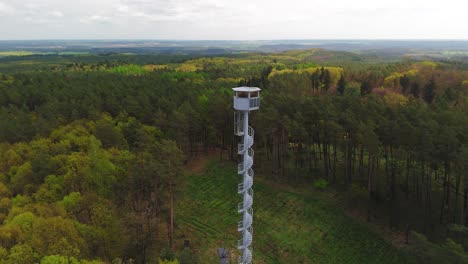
{"type": "Point", "coordinates": [449, 187]}
{"type": "Point", "coordinates": [369, 188]}
{"type": "Point", "coordinates": [361, 164]}
{"type": "Point", "coordinates": [444, 195]}
{"type": "Point", "coordinates": [325, 160]}
{"type": "Point", "coordinates": [393, 189]}
{"type": "Point", "coordinates": [408, 160]}
{"type": "Point", "coordinates": [346, 178]}
{"type": "Point", "coordinates": [429, 199]}
{"type": "Point", "coordinates": [457, 193]}
{"type": "Point", "coordinates": [171, 228]}
{"type": "Point", "coordinates": [386, 169]}
{"type": "Point", "coordinates": [465, 215]}
{"type": "Point", "coordinates": [334, 163]}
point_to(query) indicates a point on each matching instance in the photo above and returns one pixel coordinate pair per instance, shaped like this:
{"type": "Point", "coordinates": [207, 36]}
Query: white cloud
{"type": "Point", "coordinates": [240, 19]}
{"type": "Point", "coordinates": [96, 19]}
{"type": "Point", "coordinates": [56, 14]}
{"type": "Point", "coordinates": [6, 9]}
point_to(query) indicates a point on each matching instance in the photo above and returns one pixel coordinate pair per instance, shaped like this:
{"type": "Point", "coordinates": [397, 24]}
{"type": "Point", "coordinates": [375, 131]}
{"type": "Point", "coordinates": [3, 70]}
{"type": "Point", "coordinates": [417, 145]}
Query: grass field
{"type": "Point", "coordinates": [290, 225]}
{"type": "Point", "coordinates": [15, 53]}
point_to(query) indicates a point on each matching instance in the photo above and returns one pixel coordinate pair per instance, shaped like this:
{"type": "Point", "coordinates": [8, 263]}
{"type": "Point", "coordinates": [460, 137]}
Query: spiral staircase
{"type": "Point", "coordinates": [245, 187]}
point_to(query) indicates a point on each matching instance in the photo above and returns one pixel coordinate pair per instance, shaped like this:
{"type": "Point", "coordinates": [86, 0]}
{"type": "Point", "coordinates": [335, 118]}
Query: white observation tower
{"type": "Point", "coordinates": [246, 99]}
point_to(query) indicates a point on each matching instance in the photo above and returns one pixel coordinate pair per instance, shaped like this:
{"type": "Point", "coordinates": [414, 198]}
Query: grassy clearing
{"type": "Point", "coordinates": [15, 53]}
{"type": "Point", "coordinates": [290, 226]}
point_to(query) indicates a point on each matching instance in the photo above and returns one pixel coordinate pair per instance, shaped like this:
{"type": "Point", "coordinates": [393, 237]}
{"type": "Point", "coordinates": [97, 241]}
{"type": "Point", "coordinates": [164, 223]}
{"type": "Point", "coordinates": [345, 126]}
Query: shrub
{"type": "Point", "coordinates": [320, 184]}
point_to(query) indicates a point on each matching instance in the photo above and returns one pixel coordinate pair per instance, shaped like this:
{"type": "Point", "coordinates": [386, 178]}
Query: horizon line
{"type": "Point", "coordinates": [242, 40]}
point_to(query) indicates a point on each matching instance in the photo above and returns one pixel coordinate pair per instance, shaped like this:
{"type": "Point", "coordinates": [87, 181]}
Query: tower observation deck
{"type": "Point", "coordinates": [246, 99]}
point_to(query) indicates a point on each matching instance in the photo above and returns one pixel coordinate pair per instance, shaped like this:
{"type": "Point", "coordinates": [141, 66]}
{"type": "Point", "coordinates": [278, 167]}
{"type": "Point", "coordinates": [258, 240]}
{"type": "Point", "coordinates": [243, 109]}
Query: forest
{"type": "Point", "coordinates": [94, 148]}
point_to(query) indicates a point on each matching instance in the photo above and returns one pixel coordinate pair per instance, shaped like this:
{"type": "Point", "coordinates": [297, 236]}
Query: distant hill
{"type": "Point", "coordinates": [387, 48]}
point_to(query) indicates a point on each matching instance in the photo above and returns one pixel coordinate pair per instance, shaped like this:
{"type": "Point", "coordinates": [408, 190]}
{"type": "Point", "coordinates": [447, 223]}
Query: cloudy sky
{"type": "Point", "coordinates": [233, 19]}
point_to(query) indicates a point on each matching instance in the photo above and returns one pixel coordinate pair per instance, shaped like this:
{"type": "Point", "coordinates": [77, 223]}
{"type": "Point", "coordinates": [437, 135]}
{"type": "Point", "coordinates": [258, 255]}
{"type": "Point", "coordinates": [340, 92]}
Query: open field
{"type": "Point", "coordinates": [290, 225]}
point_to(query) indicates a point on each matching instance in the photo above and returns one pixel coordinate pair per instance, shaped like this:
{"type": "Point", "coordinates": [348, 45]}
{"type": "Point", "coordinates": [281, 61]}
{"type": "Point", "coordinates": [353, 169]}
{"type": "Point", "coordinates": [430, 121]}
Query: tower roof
{"type": "Point", "coordinates": [246, 89]}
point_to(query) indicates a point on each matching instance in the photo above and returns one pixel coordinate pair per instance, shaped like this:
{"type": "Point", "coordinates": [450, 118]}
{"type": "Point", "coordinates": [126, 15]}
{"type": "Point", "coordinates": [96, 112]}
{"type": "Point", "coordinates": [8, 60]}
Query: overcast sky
{"type": "Point", "coordinates": [233, 19]}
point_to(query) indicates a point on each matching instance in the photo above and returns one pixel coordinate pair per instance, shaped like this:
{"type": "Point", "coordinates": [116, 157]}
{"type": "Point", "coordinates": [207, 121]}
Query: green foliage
{"type": "Point", "coordinates": [72, 201]}
{"type": "Point", "coordinates": [168, 261]}
{"type": "Point", "coordinates": [109, 134]}
{"type": "Point", "coordinates": [21, 254]}
{"type": "Point", "coordinates": [429, 91]}
{"type": "Point", "coordinates": [353, 89]}
{"type": "Point", "coordinates": [428, 252]}
{"type": "Point", "coordinates": [341, 86]}
{"type": "Point", "coordinates": [24, 221]}
{"type": "Point", "coordinates": [326, 234]}
{"type": "Point", "coordinates": [320, 184]}
{"type": "Point", "coordinates": [365, 87]}
{"type": "Point", "coordinates": [71, 213]}
{"type": "Point", "coordinates": [92, 149]}
{"type": "Point", "coordinates": [57, 259]}
{"type": "Point", "coordinates": [187, 256]}
{"type": "Point", "coordinates": [3, 254]}
{"type": "Point", "coordinates": [128, 70]}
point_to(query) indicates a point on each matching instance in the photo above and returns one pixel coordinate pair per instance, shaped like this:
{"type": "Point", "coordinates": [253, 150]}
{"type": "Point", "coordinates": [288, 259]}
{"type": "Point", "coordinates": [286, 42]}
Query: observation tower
{"type": "Point", "coordinates": [246, 99]}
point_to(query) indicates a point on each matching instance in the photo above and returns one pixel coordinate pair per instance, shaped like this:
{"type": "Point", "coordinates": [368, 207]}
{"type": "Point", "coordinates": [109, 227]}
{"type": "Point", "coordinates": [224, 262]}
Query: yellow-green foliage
{"type": "Point", "coordinates": [275, 72]}
{"type": "Point", "coordinates": [395, 98]}
{"type": "Point", "coordinates": [229, 80]}
{"type": "Point", "coordinates": [15, 53]}
{"type": "Point", "coordinates": [228, 61]}
{"type": "Point", "coordinates": [284, 58]}
{"type": "Point", "coordinates": [58, 259]}
{"type": "Point", "coordinates": [168, 261]}
{"type": "Point", "coordinates": [187, 68]}
{"type": "Point", "coordinates": [246, 61]}
{"type": "Point", "coordinates": [28, 62]}
{"type": "Point", "coordinates": [301, 53]}
{"type": "Point", "coordinates": [153, 67]}
{"type": "Point", "coordinates": [335, 72]}
{"type": "Point", "coordinates": [427, 64]}
{"type": "Point", "coordinates": [129, 70]}
{"type": "Point", "coordinates": [7, 79]}
{"type": "Point", "coordinates": [393, 80]}
{"type": "Point", "coordinates": [279, 66]}
{"type": "Point", "coordinates": [197, 64]}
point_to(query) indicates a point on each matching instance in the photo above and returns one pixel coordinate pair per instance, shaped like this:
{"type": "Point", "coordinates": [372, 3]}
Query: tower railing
{"type": "Point", "coordinates": [247, 203]}
{"type": "Point", "coordinates": [238, 123]}
{"type": "Point", "coordinates": [247, 221]}
{"type": "Point", "coordinates": [254, 102]}
{"type": "Point", "coordinates": [247, 183]}
{"type": "Point", "coordinates": [245, 100]}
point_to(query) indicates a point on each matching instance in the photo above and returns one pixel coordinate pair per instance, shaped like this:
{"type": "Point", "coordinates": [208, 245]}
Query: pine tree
{"type": "Point", "coordinates": [326, 80]}
{"type": "Point", "coordinates": [405, 83]}
{"type": "Point", "coordinates": [415, 90]}
{"type": "Point", "coordinates": [315, 80]}
{"type": "Point", "coordinates": [365, 87]}
{"type": "Point", "coordinates": [341, 85]}
{"type": "Point", "coordinates": [429, 91]}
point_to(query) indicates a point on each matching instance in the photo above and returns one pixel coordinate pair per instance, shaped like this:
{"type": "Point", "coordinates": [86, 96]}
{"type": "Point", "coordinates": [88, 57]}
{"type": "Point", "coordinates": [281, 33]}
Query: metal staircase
{"type": "Point", "coordinates": [238, 123]}
{"type": "Point", "coordinates": [244, 188]}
